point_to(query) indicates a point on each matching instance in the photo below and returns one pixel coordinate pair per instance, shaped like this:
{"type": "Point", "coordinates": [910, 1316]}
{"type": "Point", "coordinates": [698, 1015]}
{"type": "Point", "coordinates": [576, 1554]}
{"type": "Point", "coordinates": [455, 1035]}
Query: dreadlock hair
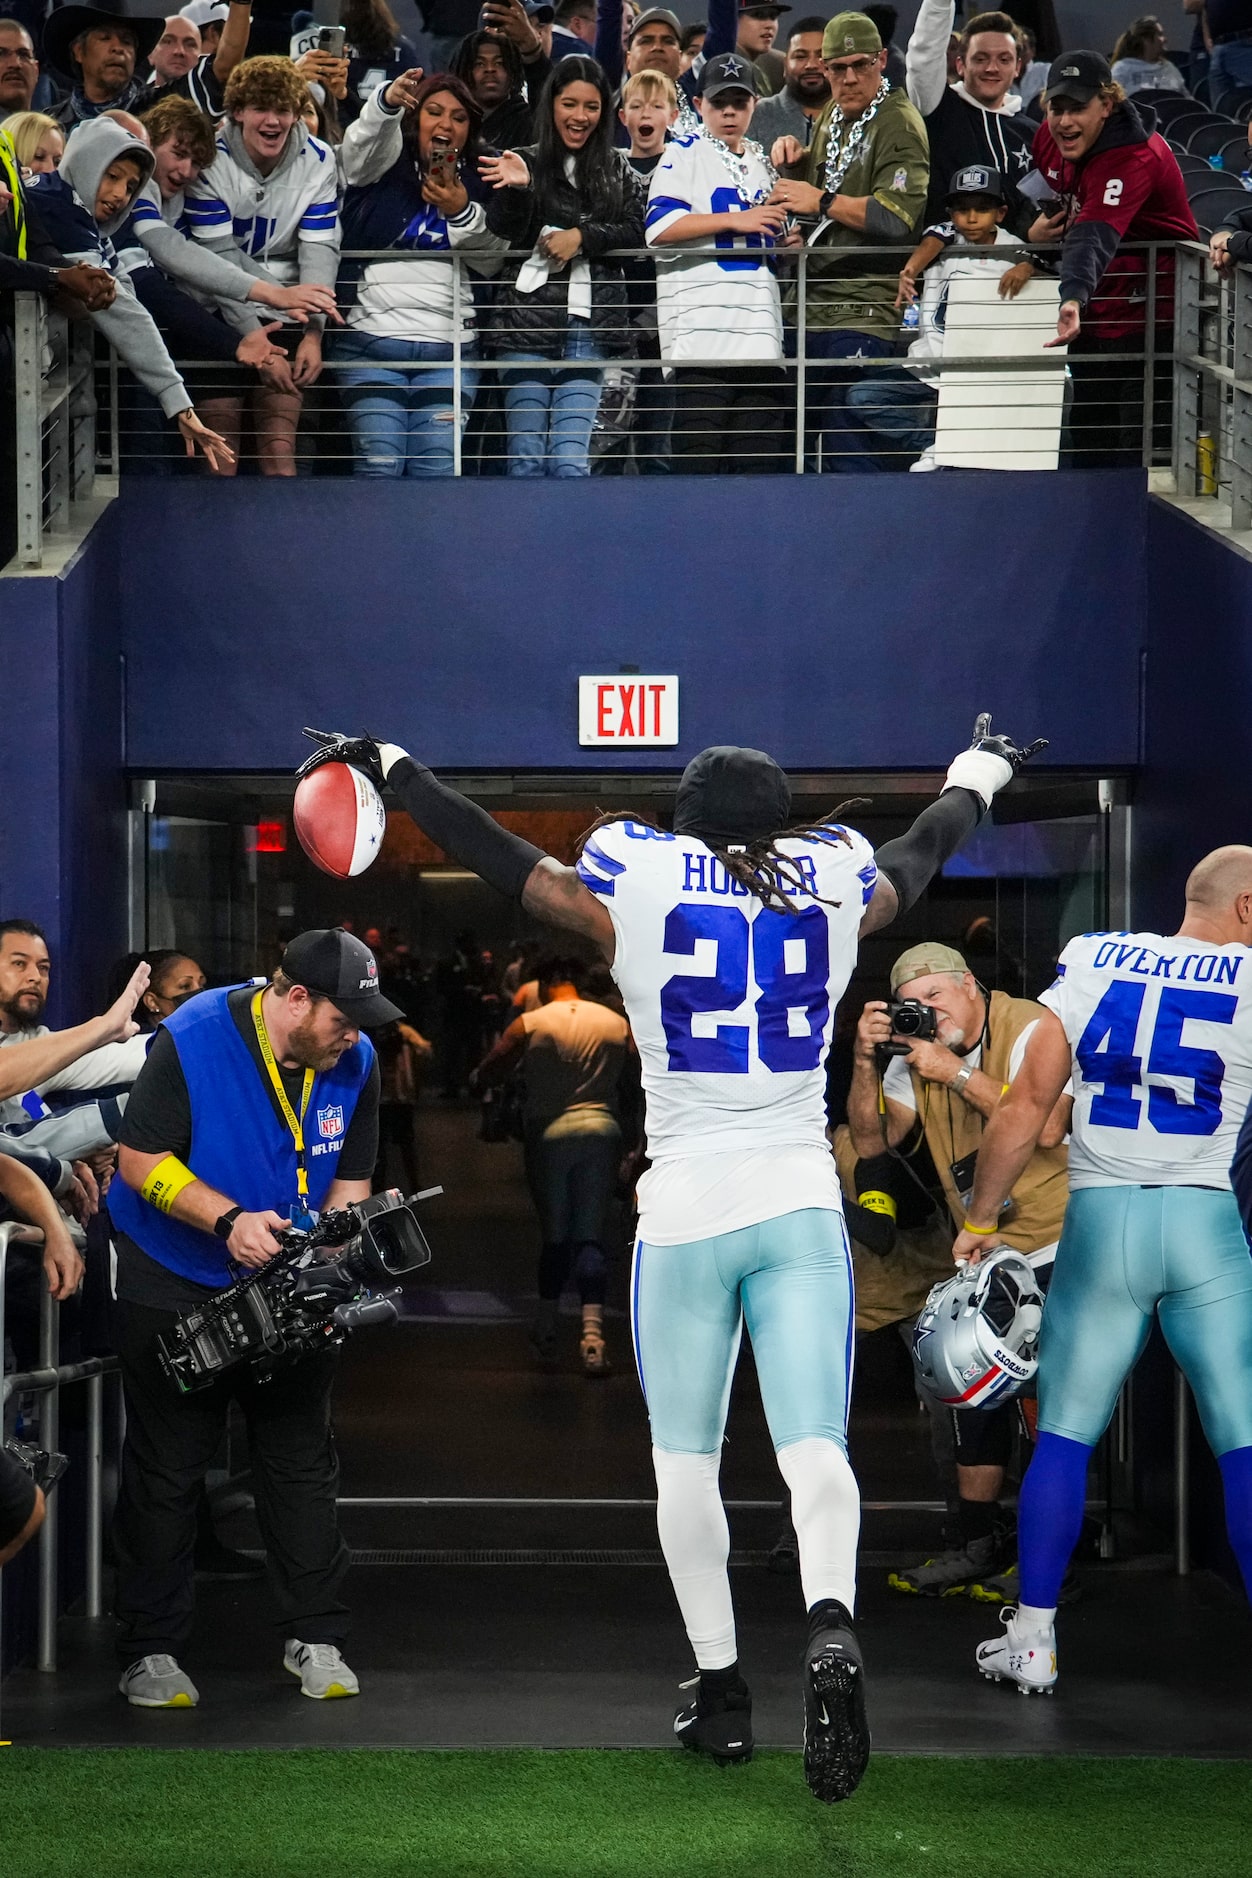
{"type": "Point", "coordinates": [769, 875]}
{"type": "Point", "coordinates": [462, 65]}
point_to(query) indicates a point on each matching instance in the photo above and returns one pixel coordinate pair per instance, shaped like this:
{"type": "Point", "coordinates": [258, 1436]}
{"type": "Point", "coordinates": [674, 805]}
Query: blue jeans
{"type": "Point", "coordinates": [551, 416]}
{"type": "Point", "coordinates": [1229, 66]}
{"type": "Point", "coordinates": [401, 419]}
{"type": "Point", "coordinates": [826, 388]}
{"type": "Point", "coordinates": [895, 416]}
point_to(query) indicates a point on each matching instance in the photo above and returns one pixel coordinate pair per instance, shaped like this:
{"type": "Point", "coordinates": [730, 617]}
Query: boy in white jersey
{"type": "Point", "coordinates": [732, 941]}
{"type": "Point", "coordinates": [1158, 1035]}
{"type": "Point", "coordinates": [714, 187]}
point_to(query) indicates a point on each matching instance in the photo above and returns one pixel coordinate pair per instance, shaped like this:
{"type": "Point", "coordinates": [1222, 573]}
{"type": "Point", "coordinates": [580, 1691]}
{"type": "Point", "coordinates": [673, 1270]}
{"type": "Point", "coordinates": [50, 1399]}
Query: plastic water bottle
{"type": "Point", "coordinates": [912, 314]}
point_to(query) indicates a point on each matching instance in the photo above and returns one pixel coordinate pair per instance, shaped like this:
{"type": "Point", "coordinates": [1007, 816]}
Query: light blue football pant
{"type": "Point", "coordinates": [789, 1280]}
{"type": "Point", "coordinates": [1127, 1254]}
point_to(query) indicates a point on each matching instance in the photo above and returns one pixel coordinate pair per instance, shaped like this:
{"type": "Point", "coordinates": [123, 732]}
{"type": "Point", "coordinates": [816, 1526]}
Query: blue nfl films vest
{"type": "Point", "coordinates": [239, 1144]}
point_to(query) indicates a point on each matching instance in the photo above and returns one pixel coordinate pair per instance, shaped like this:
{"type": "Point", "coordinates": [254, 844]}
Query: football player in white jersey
{"type": "Point", "coordinates": [1157, 1033]}
{"type": "Point", "coordinates": [732, 941]}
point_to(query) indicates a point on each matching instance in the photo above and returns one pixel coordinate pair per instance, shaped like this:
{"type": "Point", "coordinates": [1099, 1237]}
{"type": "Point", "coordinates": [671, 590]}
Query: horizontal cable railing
{"type": "Point", "coordinates": [443, 371]}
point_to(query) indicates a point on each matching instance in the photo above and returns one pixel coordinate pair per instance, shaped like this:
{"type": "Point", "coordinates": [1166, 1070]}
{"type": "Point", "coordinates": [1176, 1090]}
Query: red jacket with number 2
{"type": "Point", "coordinates": [1127, 188]}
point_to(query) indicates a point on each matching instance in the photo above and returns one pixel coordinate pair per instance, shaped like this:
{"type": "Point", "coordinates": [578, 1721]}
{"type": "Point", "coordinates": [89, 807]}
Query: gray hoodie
{"type": "Point", "coordinates": [70, 208]}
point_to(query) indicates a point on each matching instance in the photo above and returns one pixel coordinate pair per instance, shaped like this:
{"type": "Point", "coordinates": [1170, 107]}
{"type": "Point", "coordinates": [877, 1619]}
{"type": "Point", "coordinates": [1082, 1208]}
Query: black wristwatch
{"type": "Point", "coordinates": [823, 206]}
{"type": "Point", "coordinates": [224, 1226]}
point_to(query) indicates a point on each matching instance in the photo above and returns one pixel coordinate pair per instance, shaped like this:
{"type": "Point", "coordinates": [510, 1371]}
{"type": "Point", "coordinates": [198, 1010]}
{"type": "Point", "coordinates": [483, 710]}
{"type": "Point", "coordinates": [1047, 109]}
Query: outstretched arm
{"type": "Point", "coordinates": [1013, 1132]}
{"type": "Point", "coordinates": [26, 1066]}
{"type": "Point", "coordinates": [518, 868]}
{"type": "Point", "coordinates": [907, 865]}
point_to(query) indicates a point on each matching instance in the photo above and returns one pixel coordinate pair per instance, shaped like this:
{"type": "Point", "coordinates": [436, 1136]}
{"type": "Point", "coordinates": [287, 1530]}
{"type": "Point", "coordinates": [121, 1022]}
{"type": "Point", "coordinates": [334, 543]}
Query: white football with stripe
{"type": "Point", "coordinates": [339, 818]}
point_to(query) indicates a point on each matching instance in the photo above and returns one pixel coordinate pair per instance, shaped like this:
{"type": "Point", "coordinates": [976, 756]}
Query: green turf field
{"type": "Point", "coordinates": [149, 1814]}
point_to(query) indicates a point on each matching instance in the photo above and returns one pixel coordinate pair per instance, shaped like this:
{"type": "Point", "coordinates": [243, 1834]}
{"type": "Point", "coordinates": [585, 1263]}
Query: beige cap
{"type": "Point", "coordinates": [920, 961]}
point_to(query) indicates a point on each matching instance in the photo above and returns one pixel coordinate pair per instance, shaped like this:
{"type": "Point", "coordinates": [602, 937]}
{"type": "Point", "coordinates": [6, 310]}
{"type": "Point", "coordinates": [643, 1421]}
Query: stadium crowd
{"type": "Point", "coordinates": [305, 249]}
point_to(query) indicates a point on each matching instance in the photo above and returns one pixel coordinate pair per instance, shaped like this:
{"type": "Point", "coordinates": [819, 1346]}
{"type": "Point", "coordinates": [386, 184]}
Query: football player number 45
{"type": "Point", "coordinates": [789, 956]}
{"type": "Point", "coordinates": [1106, 1055]}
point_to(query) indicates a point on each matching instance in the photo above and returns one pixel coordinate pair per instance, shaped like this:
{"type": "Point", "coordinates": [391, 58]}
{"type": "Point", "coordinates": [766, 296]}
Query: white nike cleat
{"type": "Point", "coordinates": [1030, 1662]}
{"type": "Point", "coordinates": [322, 1671]}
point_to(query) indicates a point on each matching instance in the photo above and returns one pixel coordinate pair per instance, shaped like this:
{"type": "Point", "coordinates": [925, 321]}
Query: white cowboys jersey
{"type": "Point", "coordinates": [712, 307]}
{"type": "Point", "coordinates": [732, 1005]}
{"type": "Point", "coordinates": [268, 217]}
{"type": "Point", "coordinates": [1161, 1031]}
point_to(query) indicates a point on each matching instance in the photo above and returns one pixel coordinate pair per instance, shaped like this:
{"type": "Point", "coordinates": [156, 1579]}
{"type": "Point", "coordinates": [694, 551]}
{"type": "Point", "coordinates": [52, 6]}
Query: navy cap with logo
{"type": "Point", "coordinates": [976, 179]}
{"type": "Point", "coordinates": [729, 794]}
{"type": "Point", "coordinates": [1078, 76]}
{"type": "Point", "coordinates": [341, 968]}
{"type": "Point", "coordinates": [729, 71]}
{"type": "Point", "coordinates": [762, 9]}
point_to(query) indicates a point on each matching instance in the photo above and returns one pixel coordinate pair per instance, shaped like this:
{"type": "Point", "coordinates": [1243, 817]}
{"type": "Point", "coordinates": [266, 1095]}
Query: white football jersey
{"type": "Point", "coordinates": [712, 307]}
{"type": "Point", "coordinates": [268, 217]}
{"type": "Point", "coordinates": [732, 1003]}
{"type": "Point", "coordinates": [1161, 1031]}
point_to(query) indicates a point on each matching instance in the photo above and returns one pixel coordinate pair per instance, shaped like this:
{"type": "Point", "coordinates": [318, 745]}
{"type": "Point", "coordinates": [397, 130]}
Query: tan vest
{"type": "Point", "coordinates": [954, 1129]}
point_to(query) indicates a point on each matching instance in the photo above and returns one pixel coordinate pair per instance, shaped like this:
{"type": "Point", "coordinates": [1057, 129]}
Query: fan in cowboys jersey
{"type": "Point", "coordinates": [1157, 1033]}
{"type": "Point", "coordinates": [732, 941]}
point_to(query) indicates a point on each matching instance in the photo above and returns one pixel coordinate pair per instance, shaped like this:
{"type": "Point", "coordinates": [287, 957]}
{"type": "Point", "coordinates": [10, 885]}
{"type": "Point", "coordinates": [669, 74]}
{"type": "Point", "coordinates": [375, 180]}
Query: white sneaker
{"type": "Point", "coordinates": [1029, 1662]}
{"type": "Point", "coordinates": [322, 1671]}
{"type": "Point", "coordinates": [926, 461]}
{"type": "Point", "coordinates": [158, 1682]}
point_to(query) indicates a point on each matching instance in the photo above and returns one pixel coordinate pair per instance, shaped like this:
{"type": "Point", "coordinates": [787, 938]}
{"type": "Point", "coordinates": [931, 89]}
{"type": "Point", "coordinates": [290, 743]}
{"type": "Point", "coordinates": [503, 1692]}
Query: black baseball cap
{"type": "Point", "coordinates": [763, 9]}
{"type": "Point", "coordinates": [727, 72]}
{"type": "Point", "coordinates": [1078, 76]}
{"type": "Point", "coordinates": [341, 968]}
{"type": "Point", "coordinates": [730, 794]}
{"type": "Point", "coordinates": [976, 179]}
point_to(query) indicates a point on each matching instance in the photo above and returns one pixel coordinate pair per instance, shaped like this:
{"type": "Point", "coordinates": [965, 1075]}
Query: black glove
{"type": "Point", "coordinates": [990, 762]}
{"type": "Point", "coordinates": [1003, 746]}
{"type": "Point", "coordinates": [334, 747]}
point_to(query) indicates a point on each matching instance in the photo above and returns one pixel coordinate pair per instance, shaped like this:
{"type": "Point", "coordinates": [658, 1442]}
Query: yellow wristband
{"type": "Point", "coordinates": [1004, 1089]}
{"type": "Point", "coordinates": [166, 1182]}
{"type": "Point", "coordinates": [982, 1232]}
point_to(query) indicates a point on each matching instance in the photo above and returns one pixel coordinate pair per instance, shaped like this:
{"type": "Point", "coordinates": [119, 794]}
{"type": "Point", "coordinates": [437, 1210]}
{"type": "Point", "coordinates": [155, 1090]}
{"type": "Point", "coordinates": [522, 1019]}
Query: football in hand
{"type": "Point", "coordinates": [339, 818]}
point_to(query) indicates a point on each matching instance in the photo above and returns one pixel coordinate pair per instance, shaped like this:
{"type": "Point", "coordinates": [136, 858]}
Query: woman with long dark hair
{"type": "Point", "coordinates": [568, 200]}
{"type": "Point", "coordinates": [411, 163]}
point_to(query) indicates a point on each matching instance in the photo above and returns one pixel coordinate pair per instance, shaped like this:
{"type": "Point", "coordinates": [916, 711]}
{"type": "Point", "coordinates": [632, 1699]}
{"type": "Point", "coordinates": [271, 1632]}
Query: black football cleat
{"type": "Point", "coordinates": [836, 1733]}
{"type": "Point", "coordinates": [717, 1725]}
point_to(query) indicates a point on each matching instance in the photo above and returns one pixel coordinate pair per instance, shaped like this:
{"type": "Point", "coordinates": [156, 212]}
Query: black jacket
{"type": "Point", "coordinates": [537, 322]}
{"type": "Point", "coordinates": [962, 133]}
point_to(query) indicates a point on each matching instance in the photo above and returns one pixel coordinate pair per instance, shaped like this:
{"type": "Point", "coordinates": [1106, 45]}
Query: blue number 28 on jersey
{"type": "Point", "coordinates": [790, 955]}
{"type": "Point", "coordinates": [1106, 1054]}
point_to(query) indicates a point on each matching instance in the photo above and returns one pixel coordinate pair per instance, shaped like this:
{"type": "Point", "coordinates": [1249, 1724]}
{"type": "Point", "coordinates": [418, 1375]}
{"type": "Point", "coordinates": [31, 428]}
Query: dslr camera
{"type": "Point", "coordinates": [913, 1019]}
{"type": "Point", "coordinates": [320, 1285]}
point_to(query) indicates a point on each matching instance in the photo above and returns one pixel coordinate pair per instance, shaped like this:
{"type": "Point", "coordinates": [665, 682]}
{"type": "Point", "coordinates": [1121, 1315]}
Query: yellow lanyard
{"type": "Point", "coordinates": [294, 1122]}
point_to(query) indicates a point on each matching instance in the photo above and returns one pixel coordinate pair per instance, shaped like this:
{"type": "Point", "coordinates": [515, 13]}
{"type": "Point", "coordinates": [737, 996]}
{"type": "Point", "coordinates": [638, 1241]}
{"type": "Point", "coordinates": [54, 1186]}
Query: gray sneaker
{"type": "Point", "coordinates": [322, 1671]}
{"type": "Point", "coordinates": [951, 1573]}
{"type": "Point", "coordinates": [158, 1682]}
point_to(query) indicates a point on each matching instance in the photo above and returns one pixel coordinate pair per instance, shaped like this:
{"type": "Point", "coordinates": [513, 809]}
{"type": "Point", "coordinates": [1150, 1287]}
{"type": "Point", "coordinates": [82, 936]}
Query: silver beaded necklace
{"type": "Point", "coordinates": [841, 151]}
{"type": "Point", "coordinates": [739, 166]}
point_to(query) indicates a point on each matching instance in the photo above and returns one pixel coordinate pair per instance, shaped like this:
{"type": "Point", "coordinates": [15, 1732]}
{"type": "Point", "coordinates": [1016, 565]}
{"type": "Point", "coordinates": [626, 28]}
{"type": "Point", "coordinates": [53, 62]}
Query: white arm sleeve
{"type": "Point", "coordinates": [101, 1069]}
{"type": "Point", "coordinates": [926, 61]}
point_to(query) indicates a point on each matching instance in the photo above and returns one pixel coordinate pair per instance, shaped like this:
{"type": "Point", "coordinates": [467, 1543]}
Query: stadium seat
{"type": "Point", "coordinates": [1213, 208]}
{"type": "Point", "coordinates": [1236, 154]}
{"type": "Point", "coordinates": [1233, 100]}
{"type": "Point", "coordinates": [1196, 171]}
{"type": "Point", "coordinates": [1168, 105]}
{"type": "Point", "coordinates": [1200, 91]}
{"type": "Point", "coordinates": [1208, 140]}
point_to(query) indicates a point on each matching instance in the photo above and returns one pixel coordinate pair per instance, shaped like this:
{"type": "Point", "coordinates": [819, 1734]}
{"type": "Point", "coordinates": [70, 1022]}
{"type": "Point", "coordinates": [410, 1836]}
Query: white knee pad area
{"type": "Point", "coordinates": [826, 1511]}
{"type": "Point", "coordinates": [695, 1539]}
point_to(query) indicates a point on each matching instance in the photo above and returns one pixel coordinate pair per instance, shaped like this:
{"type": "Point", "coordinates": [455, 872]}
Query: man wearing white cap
{"type": "Point", "coordinates": [198, 51]}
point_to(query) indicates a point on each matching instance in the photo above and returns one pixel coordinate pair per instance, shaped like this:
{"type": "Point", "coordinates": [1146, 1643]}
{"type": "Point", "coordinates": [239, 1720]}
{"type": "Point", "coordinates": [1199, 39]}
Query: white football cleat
{"type": "Point", "coordinates": [1030, 1662]}
{"type": "Point", "coordinates": [322, 1671]}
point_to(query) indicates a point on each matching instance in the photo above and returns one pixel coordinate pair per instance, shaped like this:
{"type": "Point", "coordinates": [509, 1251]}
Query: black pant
{"type": "Point", "coordinates": [729, 423]}
{"type": "Point", "coordinates": [1104, 428]}
{"type": "Point", "coordinates": [170, 1441]}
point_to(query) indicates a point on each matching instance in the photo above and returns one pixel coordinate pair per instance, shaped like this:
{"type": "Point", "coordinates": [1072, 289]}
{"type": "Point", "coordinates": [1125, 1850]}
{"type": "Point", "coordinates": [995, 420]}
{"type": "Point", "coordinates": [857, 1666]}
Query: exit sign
{"type": "Point", "coordinates": [628, 711]}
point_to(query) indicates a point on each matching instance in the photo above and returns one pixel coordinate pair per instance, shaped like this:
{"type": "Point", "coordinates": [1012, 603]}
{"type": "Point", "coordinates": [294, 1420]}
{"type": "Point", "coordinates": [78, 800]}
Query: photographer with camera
{"type": "Point", "coordinates": [215, 1163]}
{"type": "Point", "coordinates": [935, 1062]}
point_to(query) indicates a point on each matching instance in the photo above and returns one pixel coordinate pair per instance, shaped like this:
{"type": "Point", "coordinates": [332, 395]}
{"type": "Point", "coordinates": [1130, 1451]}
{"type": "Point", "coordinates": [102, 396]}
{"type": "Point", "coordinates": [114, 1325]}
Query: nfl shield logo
{"type": "Point", "coordinates": [330, 1123]}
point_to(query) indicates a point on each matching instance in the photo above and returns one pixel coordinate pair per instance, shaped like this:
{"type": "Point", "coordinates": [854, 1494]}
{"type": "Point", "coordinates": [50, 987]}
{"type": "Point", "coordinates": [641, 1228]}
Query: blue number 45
{"type": "Point", "coordinates": [1106, 1055]}
{"type": "Point", "coordinates": [784, 989]}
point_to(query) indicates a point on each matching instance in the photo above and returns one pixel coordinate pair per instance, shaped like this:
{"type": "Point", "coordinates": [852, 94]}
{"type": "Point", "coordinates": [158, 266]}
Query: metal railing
{"type": "Point", "coordinates": [44, 1384]}
{"type": "Point", "coordinates": [1004, 401]}
{"type": "Point", "coordinates": [54, 371]}
{"type": "Point", "coordinates": [1213, 386]}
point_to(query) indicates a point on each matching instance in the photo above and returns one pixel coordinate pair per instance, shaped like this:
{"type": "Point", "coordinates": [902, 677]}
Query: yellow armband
{"type": "Point", "coordinates": [981, 1232]}
{"type": "Point", "coordinates": [877, 1202]}
{"type": "Point", "coordinates": [166, 1182]}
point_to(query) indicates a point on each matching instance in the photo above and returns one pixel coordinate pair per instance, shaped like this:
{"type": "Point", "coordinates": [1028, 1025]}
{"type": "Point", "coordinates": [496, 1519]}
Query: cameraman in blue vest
{"type": "Point", "coordinates": [257, 1107]}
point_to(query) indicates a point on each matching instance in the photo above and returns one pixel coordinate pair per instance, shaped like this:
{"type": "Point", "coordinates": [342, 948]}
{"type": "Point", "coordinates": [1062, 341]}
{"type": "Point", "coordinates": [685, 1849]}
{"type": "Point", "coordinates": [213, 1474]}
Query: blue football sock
{"type": "Point", "coordinates": [1237, 1479]}
{"type": "Point", "coordinates": [1049, 1516]}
